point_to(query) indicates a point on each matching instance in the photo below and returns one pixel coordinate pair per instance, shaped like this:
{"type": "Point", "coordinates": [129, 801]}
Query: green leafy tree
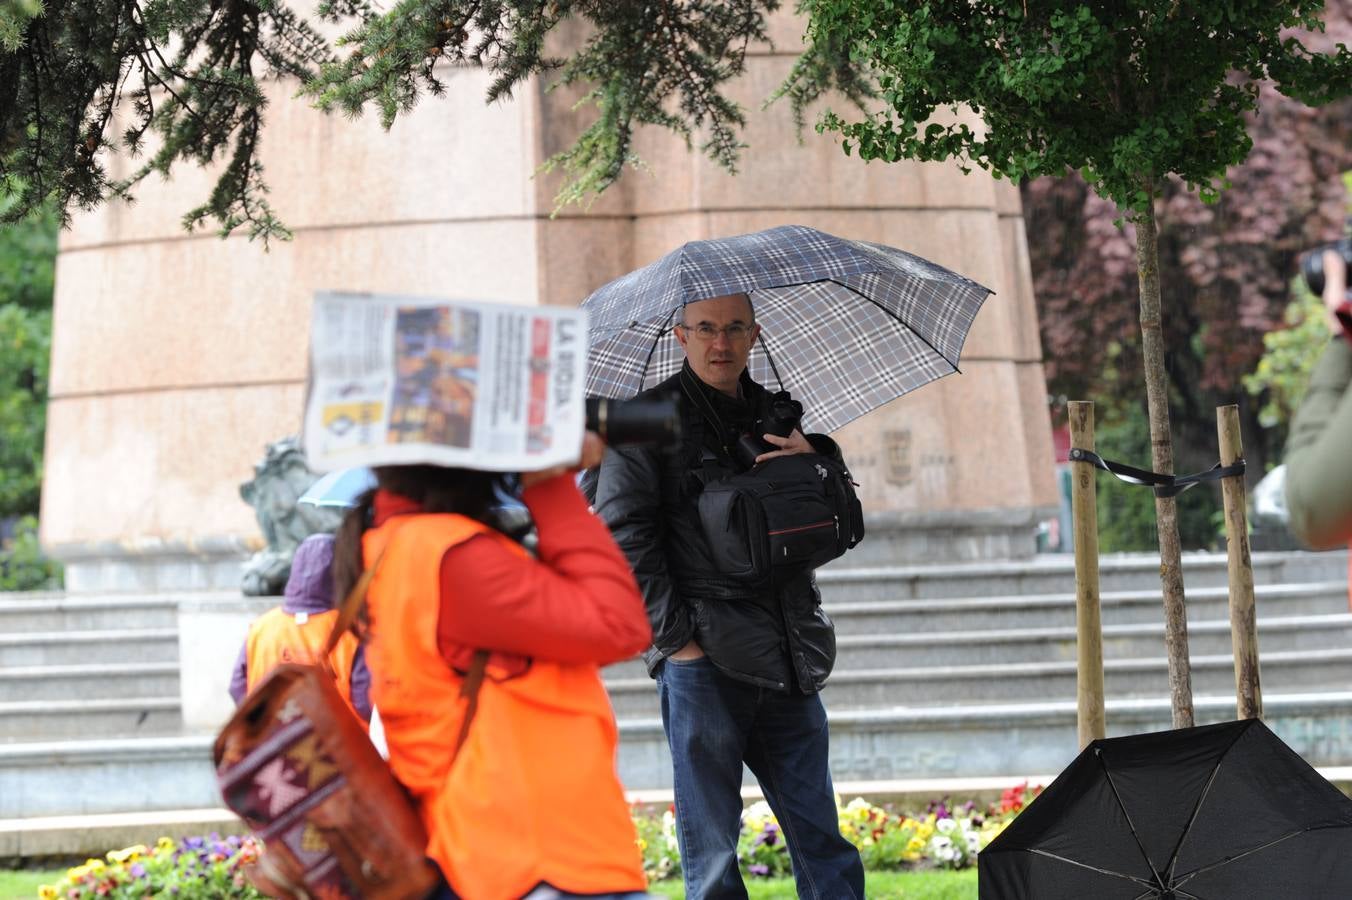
{"type": "Point", "coordinates": [27, 256]}
{"type": "Point", "coordinates": [192, 72]}
{"type": "Point", "coordinates": [1125, 93]}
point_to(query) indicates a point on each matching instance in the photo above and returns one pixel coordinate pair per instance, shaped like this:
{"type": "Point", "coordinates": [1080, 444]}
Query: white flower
{"type": "Point", "coordinates": [945, 826]}
{"type": "Point", "coordinates": [759, 810]}
{"type": "Point", "coordinates": [942, 848]}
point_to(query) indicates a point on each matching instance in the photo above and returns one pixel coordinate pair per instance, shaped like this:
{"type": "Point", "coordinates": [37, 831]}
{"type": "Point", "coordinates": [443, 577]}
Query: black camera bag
{"type": "Point", "coordinates": [785, 515]}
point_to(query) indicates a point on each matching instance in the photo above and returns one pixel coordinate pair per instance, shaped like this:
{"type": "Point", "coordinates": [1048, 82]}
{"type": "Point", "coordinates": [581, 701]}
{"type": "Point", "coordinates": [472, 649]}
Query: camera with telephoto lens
{"type": "Point", "coordinates": [646, 421]}
{"type": "Point", "coordinates": [781, 419]}
{"type": "Point", "coordinates": [1312, 263]}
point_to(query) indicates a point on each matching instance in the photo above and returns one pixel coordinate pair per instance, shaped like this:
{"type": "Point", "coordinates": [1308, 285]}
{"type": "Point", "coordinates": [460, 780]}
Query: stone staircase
{"type": "Point", "coordinates": [958, 671]}
{"type": "Point", "coordinates": [90, 714]}
{"type": "Point", "coordinates": [944, 672]}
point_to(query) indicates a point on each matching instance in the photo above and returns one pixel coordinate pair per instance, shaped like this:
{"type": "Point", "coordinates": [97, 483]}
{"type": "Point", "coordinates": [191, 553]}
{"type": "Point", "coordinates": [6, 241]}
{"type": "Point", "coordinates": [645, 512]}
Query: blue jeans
{"type": "Point", "coordinates": [714, 723]}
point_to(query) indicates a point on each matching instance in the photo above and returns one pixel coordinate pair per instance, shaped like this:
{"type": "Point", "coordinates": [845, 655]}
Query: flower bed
{"type": "Point", "coordinates": [941, 836]}
{"type": "Point", "coordinates": [196, 868]}
{"type": "Point", "coordinates": [212, 868]}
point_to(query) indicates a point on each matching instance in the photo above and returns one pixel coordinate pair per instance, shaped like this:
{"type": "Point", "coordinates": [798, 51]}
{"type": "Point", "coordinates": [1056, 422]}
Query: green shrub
{"type": "Point", "coordinates": [22, 565]}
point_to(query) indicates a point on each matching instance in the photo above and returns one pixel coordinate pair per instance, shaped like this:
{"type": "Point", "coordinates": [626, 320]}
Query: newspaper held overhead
{"type": "Point", "coordinates": [403, 380]}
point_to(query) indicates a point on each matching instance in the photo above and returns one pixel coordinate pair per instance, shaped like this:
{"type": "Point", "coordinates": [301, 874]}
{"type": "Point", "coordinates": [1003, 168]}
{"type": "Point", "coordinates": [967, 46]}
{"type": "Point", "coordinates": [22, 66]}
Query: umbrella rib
{"type": "Point", "coordinates": [1229, 859]}
{"type": "Point", "coordinates": [1074, 862]}
{"type": "Point", "coordinates": [766, 349]}
{"type": "Point", "coordinates": [1187, 829]}
{"type": "Point", "coordinates": [1131, 826]}
{"type": "Point", "coordinates": [666, 326]}
{"type": "Point", "coordinates": [1197, 808]}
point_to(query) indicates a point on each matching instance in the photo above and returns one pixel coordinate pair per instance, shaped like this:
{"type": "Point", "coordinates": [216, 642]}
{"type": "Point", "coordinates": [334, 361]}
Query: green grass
{"type": "Point", "coordinates": [23, 885]}
{"type": "Point", "coordinates": [922, 885]}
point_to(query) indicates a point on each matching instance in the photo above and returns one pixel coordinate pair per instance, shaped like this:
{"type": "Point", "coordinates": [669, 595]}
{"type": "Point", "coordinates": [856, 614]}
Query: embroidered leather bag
{"type": "Point", "coordinates": [296, 765]}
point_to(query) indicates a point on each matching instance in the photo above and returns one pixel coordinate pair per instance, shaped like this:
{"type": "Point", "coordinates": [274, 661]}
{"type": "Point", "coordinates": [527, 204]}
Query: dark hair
{"type": "Point", "coordinates": [436, 489]}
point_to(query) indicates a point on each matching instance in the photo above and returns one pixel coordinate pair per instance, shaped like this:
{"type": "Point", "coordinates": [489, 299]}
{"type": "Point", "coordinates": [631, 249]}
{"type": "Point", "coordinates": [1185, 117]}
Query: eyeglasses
{"type": "Point", "coordinates": [706, 332]}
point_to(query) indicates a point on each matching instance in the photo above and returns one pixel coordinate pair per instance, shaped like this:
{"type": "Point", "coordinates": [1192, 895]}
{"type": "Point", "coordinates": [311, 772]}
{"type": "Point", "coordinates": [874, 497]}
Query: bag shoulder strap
{"type": "Point", "coordinates": [469, 689]}
{"type": "Point", "coordinates": [347, 614]}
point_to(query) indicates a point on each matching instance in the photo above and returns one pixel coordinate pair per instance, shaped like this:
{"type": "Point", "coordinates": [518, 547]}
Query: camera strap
{"type": "Point", "coordinates": [706, 411]}
{"type": "Point", "coordinates": [1164, 485]}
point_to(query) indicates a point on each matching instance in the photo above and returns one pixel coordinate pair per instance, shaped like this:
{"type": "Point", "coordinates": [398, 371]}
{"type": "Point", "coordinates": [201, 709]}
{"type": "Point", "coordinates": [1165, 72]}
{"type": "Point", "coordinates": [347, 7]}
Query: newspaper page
{"type": "Point", "coordinates": [404, 380]}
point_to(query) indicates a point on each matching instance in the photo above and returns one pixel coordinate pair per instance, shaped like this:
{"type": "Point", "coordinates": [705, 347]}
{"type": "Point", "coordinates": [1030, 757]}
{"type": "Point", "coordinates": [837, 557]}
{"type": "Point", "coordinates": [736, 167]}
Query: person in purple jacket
{"type": "Point", "coordinates": [301, 624]}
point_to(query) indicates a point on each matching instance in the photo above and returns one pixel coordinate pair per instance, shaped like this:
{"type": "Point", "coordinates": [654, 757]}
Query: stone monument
{"type": "Point", "coordinates": [175, 356]}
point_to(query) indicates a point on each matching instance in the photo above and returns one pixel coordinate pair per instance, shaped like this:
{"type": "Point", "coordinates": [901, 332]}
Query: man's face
{"type": "Point", "coordinates": [717, 356]}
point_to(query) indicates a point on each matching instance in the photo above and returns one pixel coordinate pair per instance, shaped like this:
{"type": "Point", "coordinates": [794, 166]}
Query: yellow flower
{"type": "Point", "coordinates": [166, 844]}
{"type": "Point", "coordinates": [127, 854]}
{"type": "Point", "coordinates": [47, 892]}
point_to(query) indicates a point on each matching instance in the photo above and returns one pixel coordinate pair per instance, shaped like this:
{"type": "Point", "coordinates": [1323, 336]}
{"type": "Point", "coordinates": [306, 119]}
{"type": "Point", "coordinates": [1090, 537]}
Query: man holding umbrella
{"type": "Point", "coordinates": [738, 666]}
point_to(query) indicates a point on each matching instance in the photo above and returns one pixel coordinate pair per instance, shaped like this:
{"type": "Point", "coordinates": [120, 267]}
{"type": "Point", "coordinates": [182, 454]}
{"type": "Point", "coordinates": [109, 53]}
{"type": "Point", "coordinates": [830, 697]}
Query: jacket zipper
{"type": "Point", "coordinates": [825, 524]}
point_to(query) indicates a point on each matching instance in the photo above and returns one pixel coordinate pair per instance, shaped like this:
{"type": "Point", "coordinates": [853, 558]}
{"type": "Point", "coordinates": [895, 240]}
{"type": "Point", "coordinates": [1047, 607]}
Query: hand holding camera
{"type": "Point", "coordinates": [1325, 272]}
{"type": "Point", "coordinates": [774, 434]}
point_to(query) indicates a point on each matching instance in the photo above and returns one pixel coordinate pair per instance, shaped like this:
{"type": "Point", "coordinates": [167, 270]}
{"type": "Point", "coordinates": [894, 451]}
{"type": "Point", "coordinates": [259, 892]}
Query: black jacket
{"type": "Point", "coordinates": [773, 637]}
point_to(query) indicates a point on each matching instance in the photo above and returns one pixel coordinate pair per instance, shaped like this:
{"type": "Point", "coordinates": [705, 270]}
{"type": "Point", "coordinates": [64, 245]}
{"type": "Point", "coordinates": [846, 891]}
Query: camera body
{"type": "Point", "coordinates": [1312, 263]}
{"type": "Point", "coordinates": [781, 418]}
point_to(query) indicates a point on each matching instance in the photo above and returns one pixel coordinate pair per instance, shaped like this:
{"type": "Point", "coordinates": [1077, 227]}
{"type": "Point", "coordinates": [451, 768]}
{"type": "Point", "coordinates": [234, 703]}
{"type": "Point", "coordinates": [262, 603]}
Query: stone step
{"type": "Point", "coordinates": [56, 778]}
{"type": "Point", "coordinates": [57, 648]}
{"type": "Point", "coordinates": [1047, 610]}
{"type": "Point", "coordinates": [973, 741]}
{"type": "Point", "coordinates": [79, 777]}
{"type": "Point", "coordinates": [1055, 574]}
{"type": "Point", "coordinates": [1136, 641]}
{"type": "Point", "coordinates": [47, 612]}
{"type": "Point", "coordinates": [1034, 645]}
{"type": "Point", "coordinates": [956, 685]}
{"type": "Point", "coordinates": [91, 682]}
{"type": "Point", "coordinates": [31, 720]}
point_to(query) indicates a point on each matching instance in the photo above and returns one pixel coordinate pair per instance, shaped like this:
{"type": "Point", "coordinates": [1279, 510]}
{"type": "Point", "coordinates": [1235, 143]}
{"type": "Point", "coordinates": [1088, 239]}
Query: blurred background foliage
{"type": "Point", "coordinates": [27, 267]}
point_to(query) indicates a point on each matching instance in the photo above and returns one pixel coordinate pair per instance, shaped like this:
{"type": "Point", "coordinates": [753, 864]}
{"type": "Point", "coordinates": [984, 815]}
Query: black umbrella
{"type": "Point", "coordinates": [1219, 811]}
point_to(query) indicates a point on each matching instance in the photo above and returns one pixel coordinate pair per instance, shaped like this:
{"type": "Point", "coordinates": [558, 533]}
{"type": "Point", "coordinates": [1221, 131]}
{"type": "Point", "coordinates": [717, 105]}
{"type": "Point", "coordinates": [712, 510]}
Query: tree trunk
{"type": "Point", "coordinates": [1162, 460]}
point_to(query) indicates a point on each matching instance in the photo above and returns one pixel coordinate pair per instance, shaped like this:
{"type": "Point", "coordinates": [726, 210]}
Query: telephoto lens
{"type": "Point", "coordinates": [655, 421]}
{"type": "Point", "coordinates": [1312, 263]}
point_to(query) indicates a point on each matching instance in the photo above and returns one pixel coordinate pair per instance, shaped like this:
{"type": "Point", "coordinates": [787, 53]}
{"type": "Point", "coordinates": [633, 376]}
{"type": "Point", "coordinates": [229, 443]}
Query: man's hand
{"type": "Point", "coordinates": [794, 443]}
{"type": "Point", "coordinates": [690, 651]}
{"type": "Point", "coordinates": [593, 448]}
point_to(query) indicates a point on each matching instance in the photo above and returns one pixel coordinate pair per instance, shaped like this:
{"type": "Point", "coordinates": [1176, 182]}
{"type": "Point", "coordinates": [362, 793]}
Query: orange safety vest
{"type": "Point", "coordinates": [278, 637]}
{"type": "Point", "coordinates": [533, 795]}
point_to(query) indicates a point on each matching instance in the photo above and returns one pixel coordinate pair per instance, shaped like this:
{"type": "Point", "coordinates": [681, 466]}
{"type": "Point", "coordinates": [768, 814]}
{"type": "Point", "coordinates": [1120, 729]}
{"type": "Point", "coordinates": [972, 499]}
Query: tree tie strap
{"type": "Point", "coordinates": [1164, 485]}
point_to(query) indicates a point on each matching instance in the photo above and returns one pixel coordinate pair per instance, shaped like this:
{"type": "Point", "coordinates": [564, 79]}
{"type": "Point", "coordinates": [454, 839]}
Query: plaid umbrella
{"type": "Point", "coordinates": [845, 325]}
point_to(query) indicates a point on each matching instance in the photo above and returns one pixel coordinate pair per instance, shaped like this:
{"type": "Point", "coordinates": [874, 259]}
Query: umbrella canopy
{"type": "Point", "coordinates": [339, 489]}
{"type": "Point", "coordinates": [845, 325]}
{"type": "Point", "coordinates": [1219, 811]}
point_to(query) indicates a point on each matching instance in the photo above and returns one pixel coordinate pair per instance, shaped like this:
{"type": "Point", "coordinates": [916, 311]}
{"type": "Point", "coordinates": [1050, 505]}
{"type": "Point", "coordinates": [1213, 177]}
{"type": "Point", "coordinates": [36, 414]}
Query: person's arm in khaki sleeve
{"type": "Point", "coordinates": [1319, 450]}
